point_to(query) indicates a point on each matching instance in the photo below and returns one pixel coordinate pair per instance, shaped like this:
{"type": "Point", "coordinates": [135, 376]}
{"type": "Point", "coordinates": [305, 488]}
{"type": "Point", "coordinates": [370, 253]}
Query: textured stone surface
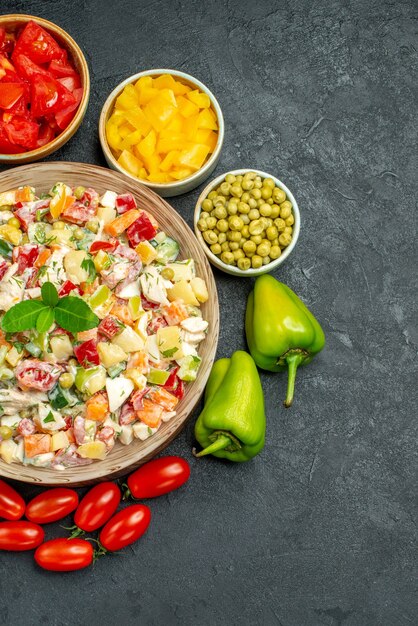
{"type": "Point", "coordinates": [320, 529]}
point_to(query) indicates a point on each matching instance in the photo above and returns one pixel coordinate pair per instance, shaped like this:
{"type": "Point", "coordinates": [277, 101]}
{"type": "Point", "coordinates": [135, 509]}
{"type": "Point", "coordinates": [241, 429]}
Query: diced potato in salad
{"type": "Point", "coordinates": [67, 397]}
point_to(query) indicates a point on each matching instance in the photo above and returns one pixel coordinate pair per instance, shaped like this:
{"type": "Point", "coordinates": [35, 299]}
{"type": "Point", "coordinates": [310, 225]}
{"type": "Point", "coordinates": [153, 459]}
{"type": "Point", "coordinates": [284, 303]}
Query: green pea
{"type": "Point", "coordinates": [210, 237]}
{"type": "Point", "coordinates": [207, 205]}
{"type": "Point", "coordinates": [288, 230]}
{"type": "Point", "coordinates": [211, 222]}
{"type": "Point", "coordinates": [258, 184]}
{"type": "Point", "coordinates": [266, 192]}
{"type": "Point", "coordinates": [252, 203]}
{"type": "Point", "coordinates": [285, 239]}
{"type": "Point", "coordinates": [249, 248]}
{"type": "Point", "coordinates": [227, 257]}
{"type": "Point", "coordinates": [219, 200]}
{"type": "Point", "coordinates": [245, 219]}
{"type": "Point", "coordinates": [254, 214]}
{"type": "Point", "coordinates": [263, 249]}
{"type": "Point", "coordinates": [13, 221]}
{"type": "Point", "coordinates": [285, 209]}
{"type": "Point", "coordinates": [234, 246]}
{"type": "Point", "coordinates": [280, 224]}
{"type": "Point", "coordinates": [235, 222]}
{"type": "Point", "coordinates": [279, 195]}
{"type": "Point", "coordinates": [258, 178]}
{"type": "Point", "coordinates": [265, 210]}
{"type": "Point", "coordinates": [269, 201]}
{"type": "Point", "coordinates": [216, 248]}
{"type": "Point", "coordinates": [222, 226]}
{"type": "Point", "coordinates": [220, 212]}
{"type": "Point", "coordinates": [225, 188]}
{"type": "Point", "coordinates": [66, 380]}
{"type": "Point", "coordinates": [257, 239]}
{"type": "Point", "coordinates": [238, 254]}
{"type": "Point", "coordinates": [236, 191]}
{"type": "Point", "coordinates": [232, 208]}
{"type": "Point", "coordinates": [79, 192]}
{"type": "Point", "coordinates": [290, 220]}
{"type": "Point", "coordinates": [247, 184]}
{"type": "Point", "coordinates": [212, 195]}
{"type": "Point", "coordinates": [5, 432]}
{"type": "Point", "coordinates": [256, 193]}
{"type": "Point", "coordinates": [271, 233]}
{"type": "Point", "coordinates": [268, 222]}
{"type": "Point", "coordinates": [221, 237]}
{"type": "Point", "coordinates": [275, 252]}
{"type": "Point", "coordinates": [245, 197]}
{"type": "Point", "coordinates": [250, 175]}
{"type": "Point", "coordinates": [245, 231]}
{"type": "Point", "coordinates": [275, 211]}
{"type": "Point", "coordinates": [233, 235]}
{"type": "Point", "coordinates": [230, 178]}
{"type": "Point", "coordinates": [78, 234]}
{"type": "Point", "coordinates": [59, 225]}
{"type": "Point", "coordinates": [204, 215]}
{"type": "Point", "coordinates": [244, 264]}
{"type": "Point", "coordinates": [256, 261]}
{"type": "Point", "coordinates": [266, 260]}
{"type": "Point", "coordinates": [269, 182]}
{"type": "Point", "coordinates": [240, 178]}
{"type": "Point", "coordinates": [256, 227]}
{"type": "Point", "coordinates": [243, 207]}
{"type": "Point", "coordinates": [275, 242]}
{"type": "Point", "coordinates": [92, 226]}
{"type": "Point", "coordinates": [167, 273]}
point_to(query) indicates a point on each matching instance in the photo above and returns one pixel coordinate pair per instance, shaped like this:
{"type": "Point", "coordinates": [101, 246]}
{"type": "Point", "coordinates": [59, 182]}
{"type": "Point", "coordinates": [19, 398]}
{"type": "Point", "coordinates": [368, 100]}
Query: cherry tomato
{"type": "Point", "coordinates": [52, 505]}
{"type": "Point", "coordinates": [97, 506]}
{"type": "Point", "coordinates": [125, 527]}
{"type": "Point", "coordinates": [19, 536]}
{"type": "Point", "coordinates": [12, 505]}
{"type": "Point", "coordinates": [64, 555]}
{"type": "Point", "coordinates": [158, 477]}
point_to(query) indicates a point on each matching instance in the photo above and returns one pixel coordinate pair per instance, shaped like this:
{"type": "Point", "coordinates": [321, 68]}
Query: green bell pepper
{"type": "Point", "coordinates": [281, 331]}
{"type": "Point", "coordinates": [232, 424]}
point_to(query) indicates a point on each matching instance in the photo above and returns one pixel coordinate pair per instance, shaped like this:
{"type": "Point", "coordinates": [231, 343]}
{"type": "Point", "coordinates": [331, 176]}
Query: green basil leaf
{"type": "Point", "coordinates": [22, 316]}
{"type": "Point", "coordinates": [45, 320]}
{"type": "Point", "coordinates": [75, 315]}
{"type": "Point", "coordinates": [6, 248]}
{"type": "Point", "coordinates": [49, 294]}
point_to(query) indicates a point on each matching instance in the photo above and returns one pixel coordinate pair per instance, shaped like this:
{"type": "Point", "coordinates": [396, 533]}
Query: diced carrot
{"type": "Point", "coordinates": [24, 195]}
{"type": "Point", "coordinates": [150, 414]}
{"type": "Point", "coordinates": [163, 398]}
{"type": "Point", "coordinates": [37, 444]}
{"type": "Point", "coordinates": [138, 360]}
{"type": "Point", "coordinates": [121, 310]}
{"type": "Point", "coordinates": [97, 407]}
{"type": "Point", "coordinates": [42, 258]}
{"type": "Point", "coordinates": [86, 335]}
{"type": "Point", "coordinates": [174, 313]}
{"type": "Point", "coordinates": [3, 341]}
{"type": "Point", "coordinates": [120, 224]}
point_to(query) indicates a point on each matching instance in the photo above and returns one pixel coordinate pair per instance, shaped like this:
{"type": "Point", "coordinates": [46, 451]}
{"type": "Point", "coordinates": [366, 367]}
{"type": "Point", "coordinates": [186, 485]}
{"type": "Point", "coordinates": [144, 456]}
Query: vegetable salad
{"type": "Point", "coordinates": [100, 325]}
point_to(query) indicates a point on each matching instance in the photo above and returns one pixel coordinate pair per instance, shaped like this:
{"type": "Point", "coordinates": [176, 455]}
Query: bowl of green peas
{"type": "Point", "coordinates": [247, 221]}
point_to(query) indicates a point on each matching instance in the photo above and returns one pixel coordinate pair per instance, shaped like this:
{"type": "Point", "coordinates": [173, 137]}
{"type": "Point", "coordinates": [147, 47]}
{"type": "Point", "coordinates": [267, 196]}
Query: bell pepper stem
{"type": "Point", "coordinates": [293, 361]}
{"type": "Point", "coordinates": [221, 443]}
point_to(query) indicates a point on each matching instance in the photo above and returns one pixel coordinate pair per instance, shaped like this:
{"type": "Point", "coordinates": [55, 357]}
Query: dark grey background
{"type": "Point", "coordinates": [320, 529]}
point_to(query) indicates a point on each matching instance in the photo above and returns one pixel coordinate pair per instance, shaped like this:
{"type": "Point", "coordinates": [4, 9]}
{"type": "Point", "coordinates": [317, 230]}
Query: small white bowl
{"type": "Point", "coordinates": [176, 188]}
{"type": "Point", "coordinates": [232, 269]}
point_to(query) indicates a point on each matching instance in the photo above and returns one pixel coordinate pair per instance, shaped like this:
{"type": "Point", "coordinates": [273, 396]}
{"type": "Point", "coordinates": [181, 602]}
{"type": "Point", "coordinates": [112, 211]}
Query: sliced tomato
{"type": "Point", "coordinates": [2, 36]}
{"type": "Point", "coordinates": [78, 213]}
{"type": "Point", "coordinates": [108, 246]}
{"type": "Point", "coordinates": [5, 63]}
{"type": "Point", "coordinates": [27, 68]}
{"type": "Point", "coordinates": [59, 68]}
{"type": "Point", "coordinates": [49, 96]}
{"type": "Point", "coordinates": [67, 287]}
{"type": "Point", "coordinates": [64, 116]}
{"type": "Point", "coordinates": [45, 135]}
{"type": "Point", "coordinates": [22, 132]}
{"type": "Point", "coordinates": [6, 146]}
{"type": "Point", "coordinates": [86, 353]}
{"type": "Point", "coordinates": [37, 44]}
{"type": "Point", "coordinates": [10, 93]}
{"type": "Point", "coordinates": [25, 256]}
{"type": "Point", "coordinates": [70, 82]}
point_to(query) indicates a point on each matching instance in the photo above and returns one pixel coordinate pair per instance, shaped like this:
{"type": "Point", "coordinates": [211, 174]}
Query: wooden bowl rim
{"type": "Point", "coordinates": [82, 67]}
{"type": "Point", "coordinates": [102, 470]}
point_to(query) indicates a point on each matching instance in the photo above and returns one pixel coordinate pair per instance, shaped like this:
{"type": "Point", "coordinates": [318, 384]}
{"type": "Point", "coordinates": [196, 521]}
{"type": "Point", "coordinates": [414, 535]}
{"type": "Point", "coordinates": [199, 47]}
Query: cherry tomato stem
{"type": "Point", "coordinates": [12, 505]}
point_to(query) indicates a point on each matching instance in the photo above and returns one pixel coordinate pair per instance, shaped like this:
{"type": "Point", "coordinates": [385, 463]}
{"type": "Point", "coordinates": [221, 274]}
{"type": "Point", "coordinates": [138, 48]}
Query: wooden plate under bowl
{"type": "Point", "coordinates": [43, 176]}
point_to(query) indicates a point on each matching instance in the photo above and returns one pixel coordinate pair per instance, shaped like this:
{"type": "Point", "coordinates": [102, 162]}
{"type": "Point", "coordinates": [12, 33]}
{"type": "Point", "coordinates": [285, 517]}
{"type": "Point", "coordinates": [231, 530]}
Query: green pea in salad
{"type": "Point", "coordinates": [100, 325]}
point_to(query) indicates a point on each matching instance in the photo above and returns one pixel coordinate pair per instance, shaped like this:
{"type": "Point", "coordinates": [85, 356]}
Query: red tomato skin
{"type": "Point", "coordinates": [64, 555]}
{"type": "Point", "coordinates": [158, 477]}
{"type": "Point", "coordinates": [20, 536]}
{"type": "Point", "coordinates": [126, 527]}
{"type": "Point", "coordinates": [97, 506]}
{"type": "Point", "coordinates": [12, 505]}
{"type": "Point", "coordinates": [51, 505]}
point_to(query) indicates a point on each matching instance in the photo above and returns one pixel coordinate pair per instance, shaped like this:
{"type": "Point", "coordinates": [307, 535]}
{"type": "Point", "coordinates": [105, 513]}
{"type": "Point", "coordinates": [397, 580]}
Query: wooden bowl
{"type": "Point", "coordinates": [16, 20]}
{"type": "Point", "coordinates": [43, 176]}
{"type": "Point", "coordinates": [178, 187]}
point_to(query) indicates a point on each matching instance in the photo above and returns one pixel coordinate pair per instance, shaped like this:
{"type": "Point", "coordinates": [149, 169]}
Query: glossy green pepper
{"type": "Point", "coordinates": [232, 424]}
{"type": "Point", "coordinates": [281, 331]}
